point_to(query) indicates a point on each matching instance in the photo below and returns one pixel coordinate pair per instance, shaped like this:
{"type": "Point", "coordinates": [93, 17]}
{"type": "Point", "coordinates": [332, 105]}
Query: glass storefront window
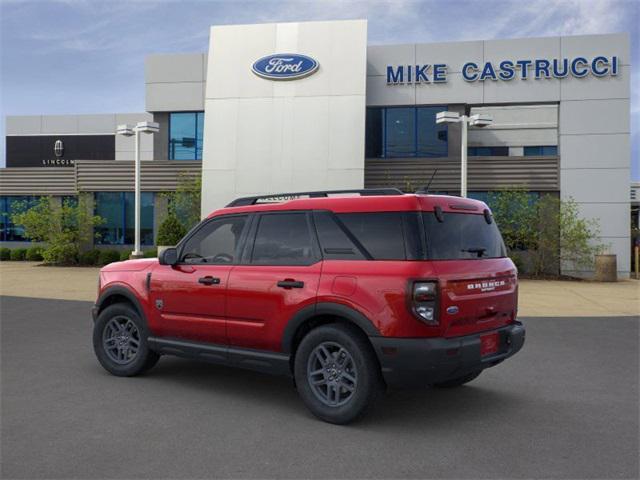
{"type": "Point", "coordinates": [400, 138]}
{"type": "Point", "coordinates": [541, 151]}
{"type": "Point", "coordinates": [488, 151]}
{"type": "Point", "coordinates": [117, 209]}
{"type": "Point", "coordinates": [10, 232]}
{"type": "Point", "coordinates": [405, 132]}
{"type": "Point", "coordinates": [432, 137]}
{"type": "Point", "coordinates": [185, 135]}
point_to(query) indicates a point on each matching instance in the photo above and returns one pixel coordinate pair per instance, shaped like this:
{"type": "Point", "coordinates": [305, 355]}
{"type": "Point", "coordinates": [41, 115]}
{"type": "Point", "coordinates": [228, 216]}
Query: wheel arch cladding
{"type": "Point", "coordinates": [319, 314]}
{"type": "Point", "coordinates": [116, 294]}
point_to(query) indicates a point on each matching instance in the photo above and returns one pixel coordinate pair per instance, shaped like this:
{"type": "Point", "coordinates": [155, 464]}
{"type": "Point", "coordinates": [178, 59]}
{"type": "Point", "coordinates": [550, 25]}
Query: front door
{"type": "Point", "coordinates": [190, 298]}
{"type": "Point", "coordinates": [279, 275]}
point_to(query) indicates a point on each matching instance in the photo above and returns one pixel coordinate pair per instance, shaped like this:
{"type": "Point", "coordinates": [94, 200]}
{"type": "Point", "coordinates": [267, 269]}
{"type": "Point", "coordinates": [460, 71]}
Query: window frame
{"type": "Point", "coordinates": [203, 224]}
{"type": "Point", "coordinates": [246, 257]}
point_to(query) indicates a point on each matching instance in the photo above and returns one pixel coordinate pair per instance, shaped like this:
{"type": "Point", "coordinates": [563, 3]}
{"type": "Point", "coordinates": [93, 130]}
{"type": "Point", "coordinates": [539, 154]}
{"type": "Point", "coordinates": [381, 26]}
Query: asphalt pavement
{"type": "Point", "coordinates": [565, 407]}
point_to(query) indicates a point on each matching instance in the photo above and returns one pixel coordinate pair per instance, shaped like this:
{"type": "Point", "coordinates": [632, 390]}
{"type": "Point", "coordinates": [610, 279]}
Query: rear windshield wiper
{"type": "Point", "coordinates": [479, 251]}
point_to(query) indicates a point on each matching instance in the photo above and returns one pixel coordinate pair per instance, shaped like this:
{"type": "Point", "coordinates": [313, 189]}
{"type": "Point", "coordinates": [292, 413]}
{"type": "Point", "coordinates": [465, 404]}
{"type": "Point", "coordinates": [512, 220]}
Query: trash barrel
{"type": "Point", "coordinates": [606, 268]}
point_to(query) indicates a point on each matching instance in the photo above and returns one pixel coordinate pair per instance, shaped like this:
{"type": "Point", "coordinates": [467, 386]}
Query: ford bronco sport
{"type": "Point", "coordinates": [347, 292]}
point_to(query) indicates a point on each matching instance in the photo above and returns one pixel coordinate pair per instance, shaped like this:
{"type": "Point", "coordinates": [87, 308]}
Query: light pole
{"type": "Point", "coordinates": [477, 120]}
{"type": "Point", "coordinates": [128, 131]}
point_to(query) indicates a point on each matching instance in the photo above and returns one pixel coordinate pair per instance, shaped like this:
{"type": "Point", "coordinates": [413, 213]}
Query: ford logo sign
{"type": "Point", "coordinates": [285, 66]}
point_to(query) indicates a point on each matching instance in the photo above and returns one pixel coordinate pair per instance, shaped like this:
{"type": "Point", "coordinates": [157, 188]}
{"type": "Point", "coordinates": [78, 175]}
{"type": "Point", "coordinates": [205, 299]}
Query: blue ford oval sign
{"type": "Point", "coordinates": [285, 66]}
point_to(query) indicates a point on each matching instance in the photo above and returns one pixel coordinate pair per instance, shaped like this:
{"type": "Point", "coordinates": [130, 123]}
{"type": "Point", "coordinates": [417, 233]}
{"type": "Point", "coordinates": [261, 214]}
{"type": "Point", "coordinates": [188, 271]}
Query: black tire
{"type": "Point", "coordinates": [457, 382]}
{"type": "Point", "coordinates": [351, 357]}
{"type": "Point", "coordinates": [120, 360]}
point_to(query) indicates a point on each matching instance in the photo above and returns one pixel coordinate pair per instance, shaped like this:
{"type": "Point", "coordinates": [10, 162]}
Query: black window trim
{"type": "Point", "coordinates": [247, 253]}
{"type": "Point", "coordinates": [203, 224]}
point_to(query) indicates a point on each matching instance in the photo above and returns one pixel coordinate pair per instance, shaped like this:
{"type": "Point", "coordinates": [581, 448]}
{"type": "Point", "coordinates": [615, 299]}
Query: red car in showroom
{"type": "Point", "coordinates": [348, 292]}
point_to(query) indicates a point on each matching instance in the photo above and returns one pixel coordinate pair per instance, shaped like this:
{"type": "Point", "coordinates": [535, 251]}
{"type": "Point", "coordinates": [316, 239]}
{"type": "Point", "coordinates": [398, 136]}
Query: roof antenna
{"type": "Point", "coordinates": [425, 190]}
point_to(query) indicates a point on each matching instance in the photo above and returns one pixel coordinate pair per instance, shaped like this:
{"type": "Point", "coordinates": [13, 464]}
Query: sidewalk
{"type": "Point", "coordinates": [538, 298]}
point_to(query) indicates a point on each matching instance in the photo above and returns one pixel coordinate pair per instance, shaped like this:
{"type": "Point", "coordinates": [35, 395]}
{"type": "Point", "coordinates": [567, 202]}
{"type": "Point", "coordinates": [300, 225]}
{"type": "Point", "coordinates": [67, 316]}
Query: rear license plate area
{"type": "Point", "coordinates": [489, 344]}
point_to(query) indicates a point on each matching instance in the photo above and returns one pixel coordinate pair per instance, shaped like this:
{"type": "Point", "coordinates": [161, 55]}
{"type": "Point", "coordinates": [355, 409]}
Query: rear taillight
{"type": "Point", "coordinates": [423, 301]}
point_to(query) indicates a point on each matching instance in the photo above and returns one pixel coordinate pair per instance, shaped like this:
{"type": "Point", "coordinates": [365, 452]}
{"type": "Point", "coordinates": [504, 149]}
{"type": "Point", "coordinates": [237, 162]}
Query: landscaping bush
{"type": "Point", "coordinates": [18, 254]}
{"type": "Point", "coordinates": [90, 257]}
{"type": "Point", "coordinates": [108, 256]}
{"type": "Point", "coordinates": [541, 234]}
{"type": "Point", "coordinates": [124, 255]}
{"type": "Point", "coordinates": [171, 231]}
{"type": "Point", "coordinates": [5, 254]}
{"type": "Point", "coordinates": [34, 254]}
{"type": "Point", "coordinates": [61, 254]}
{"type": "Point", "coordinates": [64, 228]}
{"type": "Point", "coordinates": [151, 253]}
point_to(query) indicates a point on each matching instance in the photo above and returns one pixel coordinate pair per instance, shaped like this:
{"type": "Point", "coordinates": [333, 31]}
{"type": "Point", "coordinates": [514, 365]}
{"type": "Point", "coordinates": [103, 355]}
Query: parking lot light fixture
{"type": "Point", "coordinates": [477, 120]}
{"type": "Point", "coordinates": [128, 131]}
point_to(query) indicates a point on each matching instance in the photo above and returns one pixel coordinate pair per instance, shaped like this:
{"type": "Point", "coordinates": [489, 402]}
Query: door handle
{"type": "Point", "coordinates": [289, 283]}
{"type": "Point", "coordinates": [209, 280]}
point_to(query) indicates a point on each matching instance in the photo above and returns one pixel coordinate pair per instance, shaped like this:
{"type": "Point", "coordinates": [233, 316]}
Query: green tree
{"type": "Point", "coordinates": [184, 203]}
{"type": "Point", "coordinates": [170, 231]}
{"type": "Point", "coordinates": [63, 227]}
{"type": "Point", "coordinates": [516, 217]}
{"type": "Point", "coordinates": [548, 231]}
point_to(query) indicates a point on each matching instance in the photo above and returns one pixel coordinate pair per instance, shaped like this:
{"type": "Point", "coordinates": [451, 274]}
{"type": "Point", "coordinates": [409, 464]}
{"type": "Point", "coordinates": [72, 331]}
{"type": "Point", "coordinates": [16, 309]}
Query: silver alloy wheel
{"type": "Point", "coordinates": [121, 340]}
{"type": "Point", "coordinates": [332, 374]}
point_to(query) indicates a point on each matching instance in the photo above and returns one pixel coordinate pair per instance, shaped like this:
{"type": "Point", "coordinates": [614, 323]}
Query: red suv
{"type": "Point", "coordinates": [348, 292]}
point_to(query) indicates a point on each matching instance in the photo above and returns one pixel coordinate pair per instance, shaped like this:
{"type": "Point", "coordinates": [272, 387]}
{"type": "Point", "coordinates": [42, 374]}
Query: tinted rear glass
{"type": "Point", "coordinates": [381, 234]}
{"type": "Point", "coordinates": [462, 236]}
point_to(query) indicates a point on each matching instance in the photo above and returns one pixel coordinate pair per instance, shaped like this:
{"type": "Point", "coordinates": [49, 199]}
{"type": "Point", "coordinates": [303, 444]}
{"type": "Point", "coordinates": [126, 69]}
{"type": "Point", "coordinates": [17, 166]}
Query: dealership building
{"type": "Point", "coordinates": [304, 106]}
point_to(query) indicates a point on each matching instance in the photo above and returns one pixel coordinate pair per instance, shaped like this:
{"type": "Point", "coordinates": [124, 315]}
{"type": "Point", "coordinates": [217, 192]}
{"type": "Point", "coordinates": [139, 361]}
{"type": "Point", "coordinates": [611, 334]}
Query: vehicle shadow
{"type": "Point", "coordinates": [407, 409]}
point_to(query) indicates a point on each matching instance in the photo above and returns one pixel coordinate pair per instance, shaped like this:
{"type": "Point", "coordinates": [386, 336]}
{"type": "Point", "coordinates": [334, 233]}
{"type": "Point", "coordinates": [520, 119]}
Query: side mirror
{"type": "Point", "coordinates": [169, 256]}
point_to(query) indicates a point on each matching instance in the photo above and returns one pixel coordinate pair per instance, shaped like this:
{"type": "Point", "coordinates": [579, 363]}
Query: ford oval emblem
{"type": "Point", "coordinates": [285, 66]}
{"type": "Point", "coordinates": [452, 310]}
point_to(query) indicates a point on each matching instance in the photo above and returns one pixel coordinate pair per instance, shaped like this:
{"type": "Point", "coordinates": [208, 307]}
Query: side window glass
{"type": "Point", "coordinates": [334, 242]}
{"type": "Point", "coordinates": [215, 243]}
{"type": "Point", "coordinates": [381, 234]}
{"type": "Point", "coordinates": [283, 239]}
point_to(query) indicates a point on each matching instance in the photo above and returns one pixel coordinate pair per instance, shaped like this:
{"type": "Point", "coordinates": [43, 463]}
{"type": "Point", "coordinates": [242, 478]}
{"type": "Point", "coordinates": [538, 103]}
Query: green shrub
{"type": "Point", "coordinates": [124, 255]}
{"type": "Point", "coordinates": [5, 254]}
{"type": "Point", "coordinates": [108, 256]}
{"type": "Point", "coordinates": [34, 254]}
{"type": "Point", "coordinates": [63, 227]}
{"type": "Point", "coordinates": [171, 231]}
{"type": "Point", "coordinates": [90, 257]}
{"type": "Point", "coordinates": [151, 253]}
{"type": "Point", "coordinates": [61, 254]}
{"type": "Point", "coordinates": [18, 254]}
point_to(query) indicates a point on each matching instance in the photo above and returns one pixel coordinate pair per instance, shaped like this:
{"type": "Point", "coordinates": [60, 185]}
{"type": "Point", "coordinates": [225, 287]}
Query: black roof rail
{"type": "Point", "coordinates": [283, 197]}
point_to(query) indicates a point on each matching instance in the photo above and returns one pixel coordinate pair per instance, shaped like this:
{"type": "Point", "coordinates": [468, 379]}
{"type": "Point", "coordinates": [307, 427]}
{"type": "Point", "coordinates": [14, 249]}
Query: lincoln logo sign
{"type": "Point", "coordinates": [285, 66]}
{"type": "Point", "coordinates": [505, 70]}
{"type": "Point", "coordinates": [58, 148]}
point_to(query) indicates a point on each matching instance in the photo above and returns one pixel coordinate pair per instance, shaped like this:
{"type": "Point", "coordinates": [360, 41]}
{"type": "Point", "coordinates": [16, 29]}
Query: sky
{"type": "Point", "coordinates": [87, 56]}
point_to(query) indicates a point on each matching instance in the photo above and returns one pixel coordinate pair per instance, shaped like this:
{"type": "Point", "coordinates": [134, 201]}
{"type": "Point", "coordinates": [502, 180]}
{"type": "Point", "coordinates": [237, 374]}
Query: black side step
{"type": "Point", "coordinates": [260, 360]}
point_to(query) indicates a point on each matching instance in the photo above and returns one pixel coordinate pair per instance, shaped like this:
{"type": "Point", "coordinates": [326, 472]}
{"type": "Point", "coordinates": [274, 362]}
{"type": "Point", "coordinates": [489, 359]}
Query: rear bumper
{"type": "Point", "coordinates": [414, 362]}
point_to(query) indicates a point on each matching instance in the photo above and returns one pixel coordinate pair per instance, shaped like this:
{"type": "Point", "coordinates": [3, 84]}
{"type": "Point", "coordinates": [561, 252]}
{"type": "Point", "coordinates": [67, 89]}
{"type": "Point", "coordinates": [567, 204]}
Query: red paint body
{"type": "Point", "coordinates": [248, 310]}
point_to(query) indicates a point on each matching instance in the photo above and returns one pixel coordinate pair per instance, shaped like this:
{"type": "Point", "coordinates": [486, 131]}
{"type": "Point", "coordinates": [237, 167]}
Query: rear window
{"type": "Point", "coordinates": [462, 236]}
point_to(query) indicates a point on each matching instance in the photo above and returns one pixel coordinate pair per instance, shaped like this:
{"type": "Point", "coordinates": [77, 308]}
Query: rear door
{"type": "Point", "coordinates": [477, 281]}
{"type": "Point", "coordinates": [278, 275]}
